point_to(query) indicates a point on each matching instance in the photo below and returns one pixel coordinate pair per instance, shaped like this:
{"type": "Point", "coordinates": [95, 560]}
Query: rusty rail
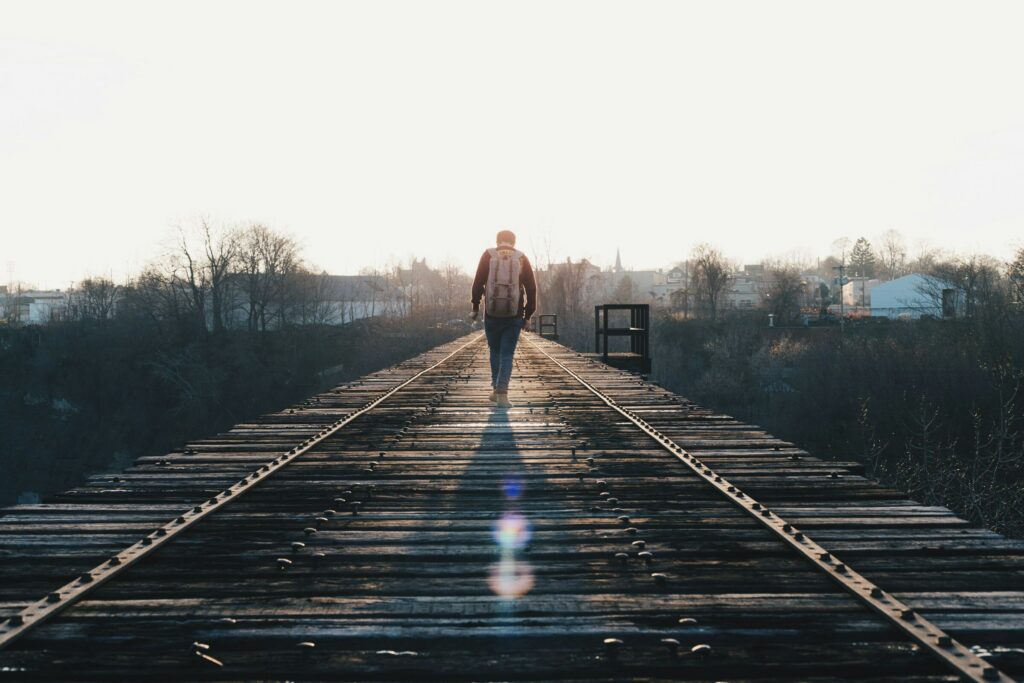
{"type": "Point", "coordinates": [44, 609]}
{"type": "Point", "coordinates": [929, 636]}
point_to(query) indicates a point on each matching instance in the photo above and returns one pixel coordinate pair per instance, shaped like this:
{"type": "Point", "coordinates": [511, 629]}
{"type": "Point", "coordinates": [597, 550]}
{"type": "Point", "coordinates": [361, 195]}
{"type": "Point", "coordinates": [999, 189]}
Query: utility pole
{"type": "Point", "coordinates": [842, 276]}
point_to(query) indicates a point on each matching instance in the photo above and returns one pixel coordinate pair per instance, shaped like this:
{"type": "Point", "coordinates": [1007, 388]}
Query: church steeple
{"type": "Point", "coordinates": [618, 261]}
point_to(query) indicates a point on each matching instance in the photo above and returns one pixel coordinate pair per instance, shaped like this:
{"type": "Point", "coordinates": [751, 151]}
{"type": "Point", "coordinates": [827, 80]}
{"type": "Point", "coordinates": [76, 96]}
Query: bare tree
{"type": "Point", "coordinates": [201, 264]}
{"type": "Point", "coordinates": [315, 297]}
{"type": "Point", "coordinates": [1015, 275]}
{"type": "Point", "coordinates": [541, 262]}
{"type": "Point", "coordinates": [679, 300]}
{"type": "Point", "coordinates": [221, 248]}
{"type": "Point", "coordinates": [377, 293]}
{"type": "Point", "coordinates": [841, 249]}
{"type": "Point", "coordinates": [93, 299]}
{"type": "Point", "coordinates": [977, 279]}
{"type": "Point", "coordinates": [454, 289]}
{"type": "Point", "coordinates": [402, 289]}
{"type": "Point", "coordinates": [785, 291]}
{"type": "Point", "coordinates": [345, 299]}
{"type": "Point", "coordinates": [569, 290]}
{"type": "Point", "coordinates": [268, 261]}
{"type": "Point", "coordinates": [11, 303]}
{"type": "Point", "coordinates": [154, 297]}
{"type": "Point", "coordinates": [189, 276]}
{"type": "Point", "coordinates": [710, 275]}
{"type": "Point", "coordinates": [892, 255]}
{"type": "Point", "coordinates": [927, 259]}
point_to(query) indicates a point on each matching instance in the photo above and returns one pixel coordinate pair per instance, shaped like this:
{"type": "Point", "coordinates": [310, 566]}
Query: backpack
{"type": "Point", "coordinates": [502, 293]}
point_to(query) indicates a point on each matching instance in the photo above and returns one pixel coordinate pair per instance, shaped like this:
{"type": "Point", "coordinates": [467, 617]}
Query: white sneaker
{"type": "Point", "coordinates": [502, 401]}
{"type": "Point", "coordinates": [493, 396]}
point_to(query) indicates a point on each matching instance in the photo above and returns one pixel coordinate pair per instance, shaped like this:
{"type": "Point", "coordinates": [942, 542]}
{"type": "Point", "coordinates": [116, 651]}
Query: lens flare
{"type": "Point", "coordinates": [512, 487]}
{"type": "Point", "coordinates": [512, 532]}
{"type": "Point", "coordinates": [510, 578]}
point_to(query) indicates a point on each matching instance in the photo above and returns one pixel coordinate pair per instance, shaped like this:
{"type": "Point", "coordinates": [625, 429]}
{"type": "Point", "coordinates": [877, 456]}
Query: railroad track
{"type": "Point", "coordinates": [400, 528]}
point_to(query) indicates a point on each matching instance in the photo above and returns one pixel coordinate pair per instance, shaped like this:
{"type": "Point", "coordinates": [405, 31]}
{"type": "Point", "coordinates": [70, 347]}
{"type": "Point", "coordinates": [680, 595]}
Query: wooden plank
{"type": "Point", "coordinates": [415, 568]}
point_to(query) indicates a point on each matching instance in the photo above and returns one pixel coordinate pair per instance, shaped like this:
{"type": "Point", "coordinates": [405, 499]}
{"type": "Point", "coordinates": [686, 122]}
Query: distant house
{"type": "Point", "coordinates": [663, 293]}
{"type": "Point", "coordinates": [915, 295]}
{"type": "Point", "coordinates": [581, 275]}
{"type": "Point", "coordinates": [35, 306]}
{"type": "Point", "coordinates": [353, 297]}
{"type": "Point", "coordinates": [646, 283]}
{"type": "Point", "coordinates": [745, 289]}
{"type": "Point", "coordinates": [328, 300]}
{"type": "Point", "coordinates": [857, 290]}
{"type": "Point", "coordinates": [656, 286]}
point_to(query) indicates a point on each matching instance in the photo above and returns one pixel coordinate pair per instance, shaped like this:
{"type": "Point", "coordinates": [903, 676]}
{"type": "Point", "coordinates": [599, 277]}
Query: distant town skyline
{"type": "Point", "coordinates": [375, 132]}
{"type": "Point", "coordinates": [161, 245]}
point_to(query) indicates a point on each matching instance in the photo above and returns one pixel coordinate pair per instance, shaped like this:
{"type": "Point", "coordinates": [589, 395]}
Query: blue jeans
{"type": "Point", "coordinates": [502, 337]}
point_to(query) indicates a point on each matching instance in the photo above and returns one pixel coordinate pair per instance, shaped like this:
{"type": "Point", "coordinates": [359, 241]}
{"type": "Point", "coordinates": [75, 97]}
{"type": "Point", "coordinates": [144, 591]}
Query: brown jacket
{"type": "Point", "coordinates": [527, 285]}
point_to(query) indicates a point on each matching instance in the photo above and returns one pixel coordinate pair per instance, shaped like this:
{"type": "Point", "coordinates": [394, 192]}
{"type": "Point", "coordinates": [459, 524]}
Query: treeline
{"type": "Point", "coordinates": [215, 277]}
{"type": "Point", "coordinates": [932, 407]}
{"type": "Point", "coordinates": [709, 285]}
{"type": "Point", "coordinates": [789, 288]}
{"type": "Point", "coordinates": [231, 323]}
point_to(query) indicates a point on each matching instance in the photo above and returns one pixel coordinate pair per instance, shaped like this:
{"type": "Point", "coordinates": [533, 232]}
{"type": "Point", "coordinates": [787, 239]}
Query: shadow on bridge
{"type": "Point", "coordinates": [492, 488]}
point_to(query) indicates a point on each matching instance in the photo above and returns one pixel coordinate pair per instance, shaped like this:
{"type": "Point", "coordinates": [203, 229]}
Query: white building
{"type": "Point", "coordinates": [857, 290]}
{"type": "Point", "coordinates": [744, 291]}
{"type": "Point", "coordinates": [33, 306]}
{"type": "Point", "coordinates": [915, 295]}
{"type": "Point", "coordinates": [339, 299]}
{"type": "Point", "coordinates": [678, 275]}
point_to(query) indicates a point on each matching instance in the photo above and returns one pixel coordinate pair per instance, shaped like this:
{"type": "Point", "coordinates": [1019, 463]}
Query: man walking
{"type": "Point", "coordinates": [505, 280]}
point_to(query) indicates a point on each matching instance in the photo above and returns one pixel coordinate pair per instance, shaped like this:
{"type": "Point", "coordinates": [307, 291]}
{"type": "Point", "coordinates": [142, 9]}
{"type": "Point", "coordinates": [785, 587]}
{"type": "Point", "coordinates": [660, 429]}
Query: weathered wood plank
{"type": "Point", "coordinates": [417, 568]}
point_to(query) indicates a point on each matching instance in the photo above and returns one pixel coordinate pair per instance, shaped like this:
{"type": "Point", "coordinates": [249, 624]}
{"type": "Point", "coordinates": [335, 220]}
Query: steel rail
{"type": "Point", "coordinates": [929, 636]}
{"type": "Point", "coordinates": [57, 601]}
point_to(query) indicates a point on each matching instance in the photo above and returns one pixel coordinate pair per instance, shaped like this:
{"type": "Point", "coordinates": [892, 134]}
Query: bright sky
{"type": "Point", "coordinates": [378, 130]}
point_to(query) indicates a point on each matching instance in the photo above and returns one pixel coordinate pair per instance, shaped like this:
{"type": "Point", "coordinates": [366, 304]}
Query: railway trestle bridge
{"type": "Point", "coordinates": [400, 527]}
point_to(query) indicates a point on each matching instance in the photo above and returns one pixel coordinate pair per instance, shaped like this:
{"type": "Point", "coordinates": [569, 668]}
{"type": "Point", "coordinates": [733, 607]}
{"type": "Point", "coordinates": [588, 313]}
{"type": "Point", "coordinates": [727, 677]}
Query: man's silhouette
{"type": "Point", "coordinates": [505, 280]}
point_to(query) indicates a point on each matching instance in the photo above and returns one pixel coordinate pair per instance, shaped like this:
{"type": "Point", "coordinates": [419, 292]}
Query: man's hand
{"type": "Point", "coordinates": [528, 325]}
{"type": "Point", "coordinates": [474, 314]}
